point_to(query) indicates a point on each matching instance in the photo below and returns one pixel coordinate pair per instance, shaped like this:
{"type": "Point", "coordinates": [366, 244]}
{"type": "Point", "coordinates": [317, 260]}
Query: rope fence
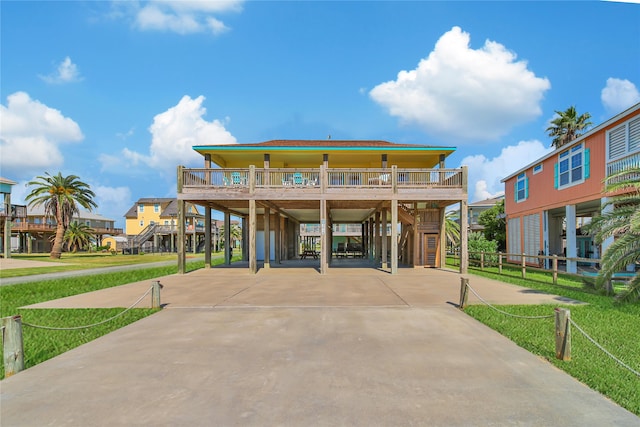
{"type": "Point", "coordinates": [11, 330]}
{"type": "Point", "coordinates": [73, 328]}
{"type": "Point", "coordinates": [562, 321]}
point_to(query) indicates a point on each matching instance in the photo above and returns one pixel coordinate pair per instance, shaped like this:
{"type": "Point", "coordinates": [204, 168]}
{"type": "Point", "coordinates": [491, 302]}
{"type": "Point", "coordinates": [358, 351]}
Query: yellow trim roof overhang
{"type": "Point", "coordinates": [310, 154]}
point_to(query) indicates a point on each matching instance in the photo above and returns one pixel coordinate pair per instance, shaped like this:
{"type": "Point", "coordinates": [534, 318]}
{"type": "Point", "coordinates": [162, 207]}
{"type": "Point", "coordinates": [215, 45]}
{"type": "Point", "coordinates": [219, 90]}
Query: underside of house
{"type": "Point", "coordinates": [396, 194]}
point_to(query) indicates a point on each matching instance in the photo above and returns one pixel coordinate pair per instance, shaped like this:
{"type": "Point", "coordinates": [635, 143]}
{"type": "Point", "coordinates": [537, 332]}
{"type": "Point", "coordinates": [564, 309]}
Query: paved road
{"type": "Point", "coordinates": [291, 347]}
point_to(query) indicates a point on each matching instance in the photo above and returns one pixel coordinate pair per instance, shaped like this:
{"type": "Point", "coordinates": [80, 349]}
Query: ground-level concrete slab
{"type": "Point", "coordinates": [300, 349]}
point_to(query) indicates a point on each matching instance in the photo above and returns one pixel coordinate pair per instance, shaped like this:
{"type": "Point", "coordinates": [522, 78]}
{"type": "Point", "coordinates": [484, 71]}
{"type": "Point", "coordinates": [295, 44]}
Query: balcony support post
{"type": "Point", "coordinates": [207, 237]}
{"type": "Point", "coordinates": [394, 236]}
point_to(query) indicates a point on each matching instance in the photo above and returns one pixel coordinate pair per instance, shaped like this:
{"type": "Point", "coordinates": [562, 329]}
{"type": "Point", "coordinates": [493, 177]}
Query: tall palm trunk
{"type": "Point", "coordinates": [56, 251]}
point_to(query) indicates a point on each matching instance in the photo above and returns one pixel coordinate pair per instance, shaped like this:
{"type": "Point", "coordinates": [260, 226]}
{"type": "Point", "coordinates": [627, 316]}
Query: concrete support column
{"type": "Point", "coordinates": [571, 241]}
{"type": "Point", "coordinates": [227, 238]}
{"type": "Point", "coordinates": [324, 239]}
{"type": "Point", "coordinates": [253, 263]}
{"type": "Point", "coordinates": [443, 239]}
{"type": "Point", "coordinates": [182, 256]}
{"type": "Point", "coordinates": [363, 239]}
{"type": "Point", "coordinates": [394, 236]}
{"type": "Point", "coordinates": [384, 239]}
{"type": "Point", "coordinates": [609, 240]}
{"type": "Point", "coordinates": [371, 239]}
{"type": "Point", "coordinates": [207, 237]}
{"type": "Point", "coordinates": [267, 238]}
{"type": "Point", "coordinates": [278, 242]}
{"type": "Point", "coordinates": [376, 232]}
{"type": "Point", "coordinates": [464, 246]}
{"type": "Point", "coordinates": [545, 237]}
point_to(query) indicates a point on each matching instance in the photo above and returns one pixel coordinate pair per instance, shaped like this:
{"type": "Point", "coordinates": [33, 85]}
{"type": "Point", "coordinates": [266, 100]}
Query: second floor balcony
{"type": "Point", "coordinates": [310, 182]}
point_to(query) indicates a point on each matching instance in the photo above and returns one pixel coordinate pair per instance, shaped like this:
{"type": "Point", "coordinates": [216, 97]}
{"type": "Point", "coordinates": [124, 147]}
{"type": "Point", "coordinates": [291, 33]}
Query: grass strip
{"type": "Point", "coordinates": [41, 344]}
{"type": "Point", "coordinates": [614, 326]}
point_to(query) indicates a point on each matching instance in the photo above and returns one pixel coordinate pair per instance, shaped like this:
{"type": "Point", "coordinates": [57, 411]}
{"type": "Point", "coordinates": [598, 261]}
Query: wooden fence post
{"type": "Point", "coordinates": [464, 292]}
{"type": "Point", "coordinates": [563, 334]}
{"type": "Point", "coordinates": [500, 262]}
{"type": "Point", "coordinates": [482, 260]}
{"type": "Point", "coordinates": [555, 269]}
{"type": "Point", "coordinates": [524, 266]}
{"type": "Point", "coordinates": [12, 345]}
{"type": "Point", "coordinates": [155, 294]}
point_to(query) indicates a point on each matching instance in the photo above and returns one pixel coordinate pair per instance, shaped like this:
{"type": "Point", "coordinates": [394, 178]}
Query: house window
{"type": "Point", "coordinates": [140, 208]}
{"type": "Point", "coordinates": [572, 167]}
{"type": "Point", "coordinates": [522, 188]}
{"type": "Point", "coordinates": [537, 169]}
{"type": "Point", "coordinates": [156, 208]}
{"type": "Point", "coordinates": [141, 223]}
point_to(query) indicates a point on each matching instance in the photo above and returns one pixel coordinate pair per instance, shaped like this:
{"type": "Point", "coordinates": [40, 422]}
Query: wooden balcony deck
{"type": "Point", "coordinates": [318, 183]}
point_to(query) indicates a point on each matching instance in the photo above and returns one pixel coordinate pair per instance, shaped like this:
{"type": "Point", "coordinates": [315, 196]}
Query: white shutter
{"type": "Point", "coordinates": [513, 240]}
{"type": "Point", "coordinates": [617, 142]}
{"type": "Point", "coordinates": [634, 135]}
{"type": "Point", "coordinates": [532, 236]}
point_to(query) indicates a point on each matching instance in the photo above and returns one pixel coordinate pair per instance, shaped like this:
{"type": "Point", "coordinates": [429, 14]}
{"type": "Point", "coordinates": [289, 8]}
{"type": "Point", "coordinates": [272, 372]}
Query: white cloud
{"type": "Point", "coordinates": [31, 134]}
{"type": "Point", "coordinates": [113, 202]}
{"type": "Point", "coordinates": [485, 174]}
{"type": "Point", "coordinates": [67, 72]}
{"type": "Point", "coordinates": [174, 133]}
{"type": "Point", "coordinates": [185, 17]}
{"type": "Point", "coordinates": [618, 95]}
{"type": "Point", "coordinates": [462, 93]}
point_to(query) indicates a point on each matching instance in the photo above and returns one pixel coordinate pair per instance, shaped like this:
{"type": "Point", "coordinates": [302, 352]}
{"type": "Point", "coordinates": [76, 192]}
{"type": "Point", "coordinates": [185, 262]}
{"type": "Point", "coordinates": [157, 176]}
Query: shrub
{"type": "Point", "coordinates": [478, 243]}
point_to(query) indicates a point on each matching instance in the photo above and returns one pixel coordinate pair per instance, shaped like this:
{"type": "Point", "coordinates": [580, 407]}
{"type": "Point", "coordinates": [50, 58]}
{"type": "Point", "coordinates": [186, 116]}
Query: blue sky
{"type": "Point", "coordinates": [118, 92]}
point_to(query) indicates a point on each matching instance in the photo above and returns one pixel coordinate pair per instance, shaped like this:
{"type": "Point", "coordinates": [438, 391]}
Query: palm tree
{"type": "Point", "coordinates": [78, 236]}
{"type": "Point", "coordinates": [452, 228]}
{"type": "Point", "coordinates": [622, 223]}
{"type": "Point", "coordinates": [567, 126]}
{"type": "Point", "coordinates": [60, 196]}
{"type": "Point", "coordinates": [235, 233]}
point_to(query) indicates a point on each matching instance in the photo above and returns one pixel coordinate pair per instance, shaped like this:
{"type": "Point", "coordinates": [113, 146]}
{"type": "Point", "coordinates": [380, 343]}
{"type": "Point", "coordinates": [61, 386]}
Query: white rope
{"type": "Point", "coordinates": [506, 313]}
{"type": "Point", "coordinates": [92, 325]}
{"type": "Point", "coordinates": [603, 349]}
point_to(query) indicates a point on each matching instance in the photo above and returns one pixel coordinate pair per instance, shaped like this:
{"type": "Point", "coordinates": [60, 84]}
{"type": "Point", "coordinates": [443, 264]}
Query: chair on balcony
{"type": "Point", "coordinates": [236, 178]}
{"type": "Point", "coordinates": [298, 179]}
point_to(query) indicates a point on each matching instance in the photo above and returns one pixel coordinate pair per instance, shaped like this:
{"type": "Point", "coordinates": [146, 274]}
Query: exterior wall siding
{"type": "Point", "coordinates": [543, 195]}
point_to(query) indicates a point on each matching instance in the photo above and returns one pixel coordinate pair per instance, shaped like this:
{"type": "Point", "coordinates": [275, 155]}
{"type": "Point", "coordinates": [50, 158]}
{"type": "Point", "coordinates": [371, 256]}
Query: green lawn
{"type": "Point", "coordinates": [616, 327]}
{"type": "Point", "coordinates": [42, 344]}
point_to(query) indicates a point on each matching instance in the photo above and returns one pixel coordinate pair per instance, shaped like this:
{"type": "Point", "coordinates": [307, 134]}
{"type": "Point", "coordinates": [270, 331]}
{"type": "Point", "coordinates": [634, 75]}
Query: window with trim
{"type": "Point", "coordinates": [521, 187]}
{"type": "Point", "coordinates": [141, 223]}
{"type": "Point", "coordinates": [140, 208]}
{"type": "Point", "coordinates": [537, 168]}
{"type": "Point", "coordinates": [156, 208]}
{"type": "Point", "coordinates": [572, 167]}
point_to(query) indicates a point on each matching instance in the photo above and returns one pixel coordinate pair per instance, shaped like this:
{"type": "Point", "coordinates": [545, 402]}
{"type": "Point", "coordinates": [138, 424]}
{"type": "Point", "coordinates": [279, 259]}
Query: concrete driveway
{"type": "Point", "coordinates": [291, 347]}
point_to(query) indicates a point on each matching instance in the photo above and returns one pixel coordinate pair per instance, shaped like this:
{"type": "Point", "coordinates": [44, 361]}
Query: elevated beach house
{"type": "Point", "coordinates": [395, 193]}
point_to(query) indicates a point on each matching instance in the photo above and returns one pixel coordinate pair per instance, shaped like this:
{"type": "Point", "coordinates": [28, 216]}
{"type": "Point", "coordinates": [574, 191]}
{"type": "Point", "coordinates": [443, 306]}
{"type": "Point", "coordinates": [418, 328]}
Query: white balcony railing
{"type": "Point", "coordinates": [628, 162]}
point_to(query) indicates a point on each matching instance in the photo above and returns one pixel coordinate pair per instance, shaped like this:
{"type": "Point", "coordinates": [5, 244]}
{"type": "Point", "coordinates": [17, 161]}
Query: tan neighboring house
{"type": "Point", "coordinates": [274, 186]}
{"type": "Point", "coordinates": [152, 226]}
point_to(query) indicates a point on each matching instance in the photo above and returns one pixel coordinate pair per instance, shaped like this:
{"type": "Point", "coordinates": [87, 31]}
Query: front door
{"type": "Point", "coordinates": [430, 246]}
